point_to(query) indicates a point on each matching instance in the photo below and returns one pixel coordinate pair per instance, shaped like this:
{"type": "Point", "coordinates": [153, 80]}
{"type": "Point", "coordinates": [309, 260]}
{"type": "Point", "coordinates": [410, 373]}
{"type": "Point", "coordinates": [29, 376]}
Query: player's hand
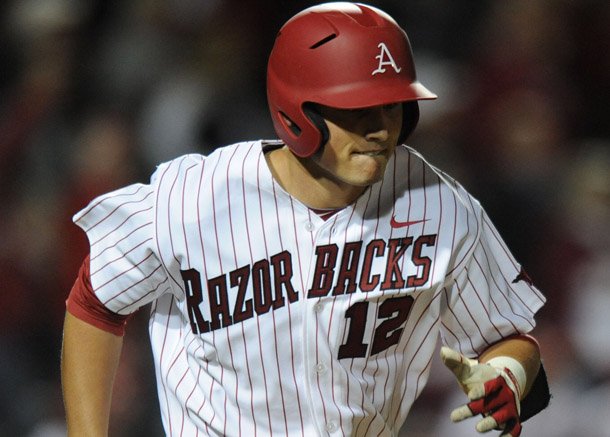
{"type": "Point", "coordinates": [492, 392]}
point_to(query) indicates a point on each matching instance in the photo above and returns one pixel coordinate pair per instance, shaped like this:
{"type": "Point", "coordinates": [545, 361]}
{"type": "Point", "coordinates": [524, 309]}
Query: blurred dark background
{"type": "Point", "coordinates": [94, 94]}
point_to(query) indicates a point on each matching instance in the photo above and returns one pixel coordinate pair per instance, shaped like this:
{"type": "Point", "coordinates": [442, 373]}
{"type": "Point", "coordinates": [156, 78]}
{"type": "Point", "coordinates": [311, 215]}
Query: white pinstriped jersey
{"type": "Point", "coordinates": [268, 320]}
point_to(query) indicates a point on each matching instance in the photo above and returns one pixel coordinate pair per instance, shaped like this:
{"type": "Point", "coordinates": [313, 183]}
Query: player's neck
{"type": "Point", "coordinates": [312, 188]}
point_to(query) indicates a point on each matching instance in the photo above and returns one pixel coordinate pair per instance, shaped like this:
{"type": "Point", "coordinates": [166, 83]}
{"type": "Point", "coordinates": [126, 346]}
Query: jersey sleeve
{"type": "Point", "coordinates": [489, 298]}
{"type": "Point", "coordinates": [125, 271]}
{"type": "Point", "coordinates": [84, 304]}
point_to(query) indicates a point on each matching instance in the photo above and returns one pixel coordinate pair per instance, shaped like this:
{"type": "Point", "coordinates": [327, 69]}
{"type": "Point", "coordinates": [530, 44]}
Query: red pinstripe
{"type": "Point", "coordinates": [365, 208]}
{"type": "Point", "coordinates": [245, 343]}
{"type": "Point", "coordinates": [294, 376]}
{"type": "Point", "coordinates": [205, 274]}
{"type": "Point", "coordinates": [159, 251]}
{"type": "Point", "coordinates": [163, 377]}
{"type": "Point", "coordinates": [275, 330]}
{"type": "Point", "coordinates": [347, 392]}
{"type": "Point", "coordinates": [186, 241]}
{"type": "Point", "coordinates": [230, 216]}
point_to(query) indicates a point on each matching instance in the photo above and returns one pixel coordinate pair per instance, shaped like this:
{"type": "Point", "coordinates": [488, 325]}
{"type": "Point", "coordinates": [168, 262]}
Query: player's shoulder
{"type": "Point", "coordinates": [176, 165]}
{"type": "Point", "coordinates": [414, 161]}
{"type": "Point", "coordinates": [421, 172]}
{"type": "Point", "coordinates": [180, 166]}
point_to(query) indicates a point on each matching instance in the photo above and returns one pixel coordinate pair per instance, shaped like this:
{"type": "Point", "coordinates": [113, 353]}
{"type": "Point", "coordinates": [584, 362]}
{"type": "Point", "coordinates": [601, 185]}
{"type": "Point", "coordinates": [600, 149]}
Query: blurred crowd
{"type": "Point", "coordinates": [95, 93]}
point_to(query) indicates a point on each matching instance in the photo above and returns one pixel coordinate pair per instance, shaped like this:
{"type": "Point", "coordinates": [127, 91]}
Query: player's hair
{"type": "Point", "coordinates": [342, 55]}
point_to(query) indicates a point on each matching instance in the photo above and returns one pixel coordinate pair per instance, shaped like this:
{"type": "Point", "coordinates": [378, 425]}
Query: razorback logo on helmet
{"type": "Point", "coordinates": [385, 58]}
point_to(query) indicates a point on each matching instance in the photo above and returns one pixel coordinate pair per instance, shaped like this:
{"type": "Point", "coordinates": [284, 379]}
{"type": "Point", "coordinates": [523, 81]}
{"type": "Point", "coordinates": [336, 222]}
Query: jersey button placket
{"type": "Point", "coordinates": [318, 377]}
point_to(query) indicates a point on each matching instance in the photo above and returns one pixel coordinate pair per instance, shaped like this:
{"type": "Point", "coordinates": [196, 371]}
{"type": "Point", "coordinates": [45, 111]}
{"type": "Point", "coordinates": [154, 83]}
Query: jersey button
{"type": "Point", "coordinates": [331, 427]}
{"type": "Point", "coordinates": [320, 367]}
{"type": "Point", "coordinates": [309, 226]}
{"type": "Point", "coordinates": [317, 307]}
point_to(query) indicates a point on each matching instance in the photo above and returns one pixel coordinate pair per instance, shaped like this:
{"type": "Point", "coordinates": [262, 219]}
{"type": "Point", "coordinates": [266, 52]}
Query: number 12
{"type": "Point", "coordinates": [393, 312]}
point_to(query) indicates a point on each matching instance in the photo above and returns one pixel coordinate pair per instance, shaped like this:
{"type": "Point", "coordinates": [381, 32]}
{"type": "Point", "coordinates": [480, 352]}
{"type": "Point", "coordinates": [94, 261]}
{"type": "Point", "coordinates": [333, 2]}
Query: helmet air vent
{"type": "Point", "coordinates": [324, 41]}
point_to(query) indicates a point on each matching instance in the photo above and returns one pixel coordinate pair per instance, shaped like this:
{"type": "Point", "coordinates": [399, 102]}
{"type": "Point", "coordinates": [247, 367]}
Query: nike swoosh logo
{"type": "Point", "coordinates": [396, 224]}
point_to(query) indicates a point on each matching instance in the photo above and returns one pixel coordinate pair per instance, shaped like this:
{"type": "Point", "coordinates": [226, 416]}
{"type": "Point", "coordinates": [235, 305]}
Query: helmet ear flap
{"type": "Point", "coordinates": [410, 117]}
{"type": "Point", "coordinates": [318, 121]}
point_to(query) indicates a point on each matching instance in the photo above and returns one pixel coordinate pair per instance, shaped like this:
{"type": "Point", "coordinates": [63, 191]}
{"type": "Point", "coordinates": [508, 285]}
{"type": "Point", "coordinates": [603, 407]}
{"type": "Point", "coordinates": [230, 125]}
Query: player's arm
{"type": "Point", "coordinates": [90, 357]}
{"type": "Point", "coordinates": [522, 349]}
{"type": "Point", "coordinates": [93, 337]}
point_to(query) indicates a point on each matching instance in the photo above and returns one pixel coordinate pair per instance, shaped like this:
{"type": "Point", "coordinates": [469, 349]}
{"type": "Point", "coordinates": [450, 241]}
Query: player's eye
{"type": "Point", "coordinates": [391, 106]}
{"type": "Point", "coordinates": [358, 111]}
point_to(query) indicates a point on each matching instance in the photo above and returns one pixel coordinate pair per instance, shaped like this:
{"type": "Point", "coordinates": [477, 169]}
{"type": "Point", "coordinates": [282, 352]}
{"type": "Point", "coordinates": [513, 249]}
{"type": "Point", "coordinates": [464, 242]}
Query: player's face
{"type": "Point", "coordinates": [361, 142]}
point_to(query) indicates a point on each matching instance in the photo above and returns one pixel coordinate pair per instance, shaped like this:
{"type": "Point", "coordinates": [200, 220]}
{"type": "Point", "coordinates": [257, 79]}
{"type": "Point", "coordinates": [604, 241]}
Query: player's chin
{"type": "Point", "coordinates": [369, 167]}
{"type": "Point", "coordinates": [368, 172]}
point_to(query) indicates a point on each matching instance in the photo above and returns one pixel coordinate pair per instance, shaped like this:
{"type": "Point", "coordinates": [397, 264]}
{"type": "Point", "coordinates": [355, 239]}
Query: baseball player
{"type": "Point", "coordinates": [298, 286]}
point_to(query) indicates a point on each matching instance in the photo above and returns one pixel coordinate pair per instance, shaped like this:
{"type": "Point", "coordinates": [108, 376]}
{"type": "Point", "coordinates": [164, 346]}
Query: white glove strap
{"type": "Point", "coordinates": [515, 367]}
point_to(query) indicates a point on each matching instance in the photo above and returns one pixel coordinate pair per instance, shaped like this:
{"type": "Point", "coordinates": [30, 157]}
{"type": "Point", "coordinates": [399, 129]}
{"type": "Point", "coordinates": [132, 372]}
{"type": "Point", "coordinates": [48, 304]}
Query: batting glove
{"type": "Point", "coordinates": [494, 389]}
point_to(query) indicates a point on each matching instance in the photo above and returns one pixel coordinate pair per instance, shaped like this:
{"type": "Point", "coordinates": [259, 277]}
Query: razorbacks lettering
{"type": "Point", "coordinates": [266, 284]}
{"type": "Point", "coordinates": [352, 276]}
{"type": "Point", "coordinates": [265, 295]}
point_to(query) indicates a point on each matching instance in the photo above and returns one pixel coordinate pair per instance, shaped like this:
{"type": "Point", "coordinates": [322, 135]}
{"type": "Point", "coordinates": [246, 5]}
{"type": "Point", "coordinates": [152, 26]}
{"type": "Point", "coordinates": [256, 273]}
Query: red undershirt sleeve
{"type": "Point", "coordinates": [83, 304]}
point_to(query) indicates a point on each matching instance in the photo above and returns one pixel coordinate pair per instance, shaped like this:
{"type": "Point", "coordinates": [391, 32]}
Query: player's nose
{"type": "Point", "coordinates": [377, 128]}
{"type": "Point", "coordinates": [378, 135]}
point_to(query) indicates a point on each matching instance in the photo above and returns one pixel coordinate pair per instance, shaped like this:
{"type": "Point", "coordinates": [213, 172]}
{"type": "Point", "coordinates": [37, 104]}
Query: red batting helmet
{"type": "Point", "coordinates": [342, 55]}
